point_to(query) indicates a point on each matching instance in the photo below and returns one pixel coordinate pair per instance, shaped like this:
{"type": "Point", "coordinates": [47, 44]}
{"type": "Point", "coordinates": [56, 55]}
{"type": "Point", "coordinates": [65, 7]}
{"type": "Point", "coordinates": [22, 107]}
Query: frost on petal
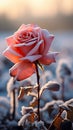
{"type": "Point", "coordinates": [25, 44]}
{"type": "Point", "coordinates": [31, 58]}
{"type": "Point", "coordinates": [35, 49]}
{"type": "Point", "coordinates": [21, 27]}
{"type": "Point", "coordinates": [48, 41]}
{"type": "Point", "coordinates": [11, 55]}
{"type": "Point", "coordinates": [48, 38]}
{"type": "Point", "coordinates": [22, 70]}
{"type": "Point", "coordinates": [49, 58]}
{"type": "Point", "coordinates": [45, 32]}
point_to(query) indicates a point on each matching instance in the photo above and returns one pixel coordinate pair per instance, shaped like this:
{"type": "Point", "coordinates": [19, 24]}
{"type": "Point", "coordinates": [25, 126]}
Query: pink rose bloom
{"type": "Point", "coordinates": [28, 44]}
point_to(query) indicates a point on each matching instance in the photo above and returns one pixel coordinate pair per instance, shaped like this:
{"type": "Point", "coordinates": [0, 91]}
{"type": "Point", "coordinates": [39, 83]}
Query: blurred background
{"type": "Point", "coordinates": [54, 15]}
{"type": "Point", "coordinates": [57, 17]}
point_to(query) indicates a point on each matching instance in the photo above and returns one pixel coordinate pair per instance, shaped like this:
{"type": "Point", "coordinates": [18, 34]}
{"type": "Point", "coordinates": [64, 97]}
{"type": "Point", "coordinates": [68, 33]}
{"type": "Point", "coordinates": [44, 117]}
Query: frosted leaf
{"type": "Point", "coordinates": [55, 104]}
{"type": "Point", "coordinates": [69, 102]}
{"type": "Point", "coordinates": [66, 105]}
{"type": "Point", "coordinates": [23, 119]}
{"type": "Point", "coordinates": [21, 93]}
{"type": "Point", "coordinates": [11, 86]}
{"type": "Point", "coordinates": [34, 102]}
{"type": "Point", "coordinates": [47, 105]}
{"type": "Point", "coordinates": [51, 85]}
{"type": "Point", "coordinates": [26, 110]}
{"type": "Point", "coordinates": [32, 116]}
{"type": "Point", "coordinates": [40, 125]}
{"type": "Point", "coordinates": [64, 114]}
{"type": "Point", "coordinates": [29, 117]}
{"type": "Point", "coordinates": [70, 114]}
{"type": "Point", "coordinates": [32, 94]}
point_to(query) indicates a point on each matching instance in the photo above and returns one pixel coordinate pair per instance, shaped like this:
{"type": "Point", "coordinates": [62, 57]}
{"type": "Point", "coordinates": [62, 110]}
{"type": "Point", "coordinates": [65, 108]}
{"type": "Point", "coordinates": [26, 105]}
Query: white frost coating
{"type": "Point", "coordinates": [47, 105]}
{"type": "Point", "coordinates": [66, 105]}
{"type": "Point", "coordinates": [11, 86]}
{"type": "Point", "coordinates": [32, 94]}
{"type": "Point", "coordinates": [39, 125]}
{"type": "Point", "coordinates": [23, 119]}
{"type": "Point", "coordinates": [26, 110]}
{"type": "Point", "coordinates": [69, 103]}
{"type": "Point", "coordinates": [64, 114]}
{"type": "Point", "coordinates": [51, 85]}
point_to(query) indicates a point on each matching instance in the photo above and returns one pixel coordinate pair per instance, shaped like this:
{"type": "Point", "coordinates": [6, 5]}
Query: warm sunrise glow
{"type": "Point", "coordinates": [36, 8]}
{"type": "Point", "coordinates": [67, 7]}
{"type": "Point", "coordinates": [43, 7]}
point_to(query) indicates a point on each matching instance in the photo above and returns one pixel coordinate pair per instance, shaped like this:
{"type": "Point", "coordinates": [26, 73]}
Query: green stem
{"type": "Point", "coordinates": [38, 83]}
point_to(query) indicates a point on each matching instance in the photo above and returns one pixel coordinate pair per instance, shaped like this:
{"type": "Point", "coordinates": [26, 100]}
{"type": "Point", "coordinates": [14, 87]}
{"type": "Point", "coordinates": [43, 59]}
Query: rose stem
{"type": "Point", "coordinates": [38, 83]}
{"type": "Point", "coordinates": [14, 101]}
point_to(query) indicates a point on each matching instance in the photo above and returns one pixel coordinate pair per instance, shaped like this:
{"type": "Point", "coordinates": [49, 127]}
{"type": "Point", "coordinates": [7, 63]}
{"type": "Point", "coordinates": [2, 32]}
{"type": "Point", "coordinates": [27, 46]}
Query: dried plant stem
{"type": "Point", "coordinates": [14, 106]}
{"type": "Point", "coordinates": [13, 102]}
{"type": "Point", "coordinates": [38, 83]}
{"type": "Point", "coordinates": [52, 126]}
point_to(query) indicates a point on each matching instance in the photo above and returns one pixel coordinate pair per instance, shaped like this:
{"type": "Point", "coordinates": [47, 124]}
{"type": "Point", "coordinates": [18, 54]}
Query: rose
{"type": "Point", "coordinates": [28, 44]}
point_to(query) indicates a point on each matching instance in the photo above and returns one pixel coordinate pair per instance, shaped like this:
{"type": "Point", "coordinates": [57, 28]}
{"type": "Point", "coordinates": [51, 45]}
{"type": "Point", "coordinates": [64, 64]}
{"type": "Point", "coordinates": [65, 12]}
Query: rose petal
{"type": "Point", "coordinates": [12, 55]}
{"type": "Point", "coordinates": [36, 29]}
{"type": "Point", "coordinates": [22, 70]}
{"type": "Point", "coordinates": [21, 27]}
{"type": "Point", "coordinates": [31, 58]}
{"type": "Point", "coordinates": [35, 49]}
{"type": "Point", "coordinates": [32, 40]}
{"type": "Point", "coordinates": [24, 44]}
{"type": "Point", "coordinates": [45, 32]}
{"type": "Point", "coordinates": [48, 38]}
{"type": "Point", "coordinates": [10, 40]}
{"type": "Point", "coordinates": [49, 58]}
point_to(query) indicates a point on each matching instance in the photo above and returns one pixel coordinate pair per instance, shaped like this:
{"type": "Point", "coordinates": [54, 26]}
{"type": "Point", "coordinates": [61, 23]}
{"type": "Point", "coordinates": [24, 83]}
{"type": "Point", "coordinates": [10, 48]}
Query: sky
{"type": "Point", "coordinates": [37, 8]}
